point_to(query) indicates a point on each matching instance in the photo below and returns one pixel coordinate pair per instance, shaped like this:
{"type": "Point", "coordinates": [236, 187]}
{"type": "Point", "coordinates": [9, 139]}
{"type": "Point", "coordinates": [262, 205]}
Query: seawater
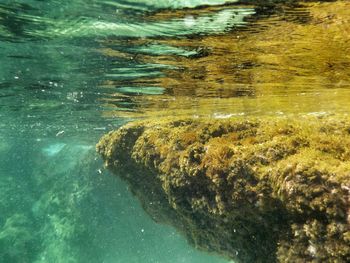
{"type": "Point", "coordinates": [70, 71]}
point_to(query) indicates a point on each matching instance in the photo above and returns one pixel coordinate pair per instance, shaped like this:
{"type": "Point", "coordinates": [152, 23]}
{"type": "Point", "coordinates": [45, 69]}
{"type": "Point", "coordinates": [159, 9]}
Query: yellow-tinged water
{"type": "Point", "coordinates": [293, 60]}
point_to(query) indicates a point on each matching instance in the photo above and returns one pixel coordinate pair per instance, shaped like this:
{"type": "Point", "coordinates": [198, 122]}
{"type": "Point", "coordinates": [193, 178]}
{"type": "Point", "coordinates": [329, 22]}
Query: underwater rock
{"type": "Point", "coordinates": [253, 190]}
{"type": "Point", "coordinates": [16, 241]}
{"type": "Point", "coordinates": [53, 149]}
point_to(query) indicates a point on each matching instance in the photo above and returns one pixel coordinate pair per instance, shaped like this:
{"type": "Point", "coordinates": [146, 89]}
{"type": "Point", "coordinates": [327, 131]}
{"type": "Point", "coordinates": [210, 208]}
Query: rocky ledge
{"type": "Point", "coordinates": [253, 190]}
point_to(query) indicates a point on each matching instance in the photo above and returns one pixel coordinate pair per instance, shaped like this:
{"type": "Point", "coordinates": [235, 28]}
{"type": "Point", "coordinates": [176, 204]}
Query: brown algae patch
{"type": "Point", "coordinates": [253, 190]}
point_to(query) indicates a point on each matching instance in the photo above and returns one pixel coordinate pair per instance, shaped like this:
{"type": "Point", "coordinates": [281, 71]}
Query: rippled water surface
{"type": "Point", "coordinates": [71, 71]}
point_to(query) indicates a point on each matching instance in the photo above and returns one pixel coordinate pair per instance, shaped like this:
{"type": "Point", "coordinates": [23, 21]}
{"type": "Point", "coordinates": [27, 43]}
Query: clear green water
{"type": "Point", "coordinates": [57, 203]}
{"type": "Point", "coordinates": [71, 71]}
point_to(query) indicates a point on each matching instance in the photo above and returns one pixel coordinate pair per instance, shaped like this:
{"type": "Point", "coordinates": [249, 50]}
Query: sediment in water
{"type": "Point", "coordinates": [253, 190]}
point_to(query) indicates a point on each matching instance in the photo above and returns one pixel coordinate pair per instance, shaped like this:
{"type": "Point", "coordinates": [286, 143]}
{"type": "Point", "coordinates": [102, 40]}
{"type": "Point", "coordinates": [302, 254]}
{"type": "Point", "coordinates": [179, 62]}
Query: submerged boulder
{"type": "Point", "coordinates": [253, 190]}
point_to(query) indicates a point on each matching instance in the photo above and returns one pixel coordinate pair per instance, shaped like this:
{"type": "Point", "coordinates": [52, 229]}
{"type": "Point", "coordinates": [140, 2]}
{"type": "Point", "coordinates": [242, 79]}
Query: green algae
{"type": "Point", "coordinates": [254, 190]}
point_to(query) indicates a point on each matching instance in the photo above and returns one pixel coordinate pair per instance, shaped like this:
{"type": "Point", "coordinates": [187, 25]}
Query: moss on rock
{"type": "Point", "coordinates": [253, 190]}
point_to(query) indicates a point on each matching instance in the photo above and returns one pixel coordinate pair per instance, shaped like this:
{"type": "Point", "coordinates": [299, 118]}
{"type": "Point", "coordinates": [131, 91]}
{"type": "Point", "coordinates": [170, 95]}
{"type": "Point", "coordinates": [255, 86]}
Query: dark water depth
{"type": "Point", "coordinates": [71, 71]}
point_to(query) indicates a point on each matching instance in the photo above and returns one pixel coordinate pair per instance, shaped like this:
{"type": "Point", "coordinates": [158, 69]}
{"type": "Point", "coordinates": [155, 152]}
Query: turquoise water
{"type": "Point", "coordinates": [57, 203]}
{"type": "Point", "coordinates": [70, 71]}
{"type": "Point", "coordinates": [57, 206]}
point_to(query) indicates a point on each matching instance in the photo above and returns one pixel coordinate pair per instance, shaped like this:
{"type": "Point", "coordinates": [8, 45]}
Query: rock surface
{"type": "Point", "coordinates": [253, 190]}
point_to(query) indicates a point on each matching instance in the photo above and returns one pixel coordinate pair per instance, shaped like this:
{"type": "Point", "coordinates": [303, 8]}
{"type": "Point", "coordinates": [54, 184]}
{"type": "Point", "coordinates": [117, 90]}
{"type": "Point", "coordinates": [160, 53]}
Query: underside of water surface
{"type": "Point", "coordinates": [71, 71]}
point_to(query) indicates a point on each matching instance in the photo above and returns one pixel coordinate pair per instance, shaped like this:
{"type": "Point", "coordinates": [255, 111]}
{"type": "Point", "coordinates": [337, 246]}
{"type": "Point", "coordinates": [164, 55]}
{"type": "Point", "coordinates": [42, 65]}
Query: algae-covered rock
{"type": "Point", "coordinates": [253, 190]}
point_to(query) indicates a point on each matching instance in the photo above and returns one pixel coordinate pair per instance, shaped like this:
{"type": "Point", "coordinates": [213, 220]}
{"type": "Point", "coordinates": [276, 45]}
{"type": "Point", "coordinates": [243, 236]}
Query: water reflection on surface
{"type": "Point", "coordinates": [136, 58]}
{"type": "Point", "coordinates": [292, 61]}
